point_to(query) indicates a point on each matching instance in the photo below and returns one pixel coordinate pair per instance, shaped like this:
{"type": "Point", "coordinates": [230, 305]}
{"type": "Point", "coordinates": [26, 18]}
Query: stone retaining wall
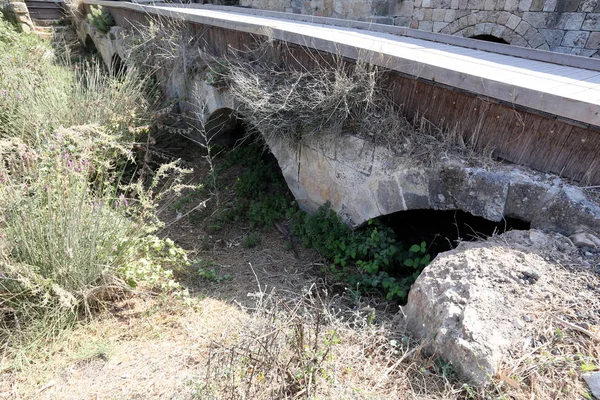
{"type": "Point", "coordinates": [17, 13]}
{"type": "Point", "coordinates": [566, 26]}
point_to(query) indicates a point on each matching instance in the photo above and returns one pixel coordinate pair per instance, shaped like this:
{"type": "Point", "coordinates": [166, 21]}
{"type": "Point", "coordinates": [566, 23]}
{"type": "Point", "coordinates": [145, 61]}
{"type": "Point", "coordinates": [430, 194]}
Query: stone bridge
{"type": "Point", "coordinates": [539, 111]}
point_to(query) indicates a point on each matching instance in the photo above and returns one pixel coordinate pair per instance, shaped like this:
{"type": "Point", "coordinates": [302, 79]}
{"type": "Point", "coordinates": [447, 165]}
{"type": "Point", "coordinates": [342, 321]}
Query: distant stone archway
{"type": "Point", "coordinates": [490, 38]}
{"type": "Point", "coordinates": [509, 28]}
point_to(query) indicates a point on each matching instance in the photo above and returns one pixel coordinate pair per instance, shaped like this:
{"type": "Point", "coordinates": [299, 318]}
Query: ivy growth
{"type": "Point", "coordinates": [371, 257]}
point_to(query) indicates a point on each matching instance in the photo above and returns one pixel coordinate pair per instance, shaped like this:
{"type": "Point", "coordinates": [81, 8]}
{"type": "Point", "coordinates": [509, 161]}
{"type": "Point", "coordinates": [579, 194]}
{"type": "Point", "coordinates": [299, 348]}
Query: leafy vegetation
{"type": "Point", "coordinates": [101, 19]}
{"type": "Point", "coordinates": [74, 233]}
{"type": "Point", "coordinates": [370, 258]}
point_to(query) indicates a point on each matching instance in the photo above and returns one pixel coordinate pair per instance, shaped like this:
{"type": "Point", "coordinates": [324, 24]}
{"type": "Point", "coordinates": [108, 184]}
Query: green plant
{"type": "Point", "coordinates": [262, 197]}
{"type": "Point", "coordinates": [75, 234]}
{"type": "Point", "coordinates": [368, 258]}
{"type": "Point", "coordinates": [207, 271]}
{"type": "Point", "coordinates": [101, 19]}
{"type": "Point", "coordinates": [251, 240]}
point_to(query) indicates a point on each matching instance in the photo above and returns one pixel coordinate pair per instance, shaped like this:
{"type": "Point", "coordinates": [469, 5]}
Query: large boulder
{"type": "Point", "coordinates": [472, 304]}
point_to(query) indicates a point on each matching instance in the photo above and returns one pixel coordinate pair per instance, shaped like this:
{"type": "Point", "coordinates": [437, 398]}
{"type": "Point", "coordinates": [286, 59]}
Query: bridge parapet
{"type": "Point", "coordinates": [535, 113]}
{"type": "Point", "coordinates": [566, 26]}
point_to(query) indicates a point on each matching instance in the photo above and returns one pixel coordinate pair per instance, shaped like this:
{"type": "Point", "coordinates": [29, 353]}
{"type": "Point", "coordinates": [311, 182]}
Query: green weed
{"type": "Point", "coordinates": [101, 19]}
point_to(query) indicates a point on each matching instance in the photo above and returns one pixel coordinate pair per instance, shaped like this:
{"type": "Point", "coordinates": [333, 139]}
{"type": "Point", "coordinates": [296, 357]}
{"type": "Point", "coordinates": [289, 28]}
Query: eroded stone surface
{"type": "Point", "coordinates": [471, 304]}
{"type": "Point", "coordinates": [362, 181]}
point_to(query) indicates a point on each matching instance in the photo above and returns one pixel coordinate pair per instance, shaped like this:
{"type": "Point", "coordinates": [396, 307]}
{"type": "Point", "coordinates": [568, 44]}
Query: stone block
{"type": "Point", "coordinates": [583, 52]}
{"type": "Point", "coordinates": [544, 47]}
{"type": "Point", "coordinates": [526, 196]}
{"type": "Point", "coordinates": [426, 3]}
{"type": "Point", "coordinates": [449, 15]}
{"type": "Point", "coordinates": [569, 21]}
{"type": "Point", "coordinates": [438, 26]}
{"type": "Point", "coordinates": [489, 5]}
{"type": "Point", "coordinates": [593, 41]}
{"type": "Point", "coordinates": [388, 196]}
{"type": "Point", "coordinates": [426, 26]}
{"type": "Point", "coordinates": [591, 23]}
{"type": "Point", "coordinates": [503, 18]}
{"type": "Point", "coordinates": [569, 212]}
{"type": "Point", "coordinates": [471, 19]}
{"type": "Point", "coordinates": [550, 5]}
{"type": "Point", "coordinates": [378, 19]}
{"type": "Point", "coordinates": [575, 39]}
{"type": "Point", "coordinates": [382, 7]}
{"type": "Point", "coordinates": [522, 28]}
{"type": "Point", "coordinates": [511, 5]}
{"type": "Point", "coordinates": [537, 19]}
{"type": "Point", "coordinates": [567, 5]}
{"type": "Point", "coordinates": [524, 5]}
{"type": "Point", "coordinates": [414, 24]}
{"type": "Point", "coordinates": [356, 154]}
{"type": "Point", "coordinates": [463, 4]}
{"type": "Point", "coordinates": [553, 36]}
{"type": "Point", "coordinates": [536, 41]}
{"type": "Point", "coordinates": [418, 3]}
{"type": "Point", "coordinates": [438, 14]}
{"type": "Point", "coordinates": [537, 5]}
{"type": "Point", "coordinates": [454, 4]}
{"type": "Point", "coordinates": [406, 8]}
{"type": "Point", "coordinates": [498, 31]}
{"type": "Point", "coordinates": [531, 32]}
{"type": "Point", "coordinates": [415, 188]}
{"type": "Point", "coordinates": [589, 6]}
{"type": "Point", "coordinates": [419, 14]}
{"type": "Point", "coordinates": [428, 14]}
{"type": "Point", "coordinates": [500, 5]}
{"type": "Point", "coordinates": [513, 21]}
{"type": "Point", "coordinates": [402, 21]}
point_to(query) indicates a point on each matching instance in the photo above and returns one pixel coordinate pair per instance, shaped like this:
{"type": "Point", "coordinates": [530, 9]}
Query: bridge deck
{"type": "Point", "coordinates": [565, 91]}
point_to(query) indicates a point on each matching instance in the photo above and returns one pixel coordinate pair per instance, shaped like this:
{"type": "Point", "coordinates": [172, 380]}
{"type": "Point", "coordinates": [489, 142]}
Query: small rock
{"type": "Point", "coordinates": [518, 324]}
{"type": "Point", "coordinates": [593, 381]}
{"type": "Point", "coordinates": [585, 239]}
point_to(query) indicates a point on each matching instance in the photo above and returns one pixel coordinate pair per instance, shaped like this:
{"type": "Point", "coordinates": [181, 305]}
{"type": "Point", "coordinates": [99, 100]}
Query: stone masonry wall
{"type": "Point", "coordinates": [566, 26]}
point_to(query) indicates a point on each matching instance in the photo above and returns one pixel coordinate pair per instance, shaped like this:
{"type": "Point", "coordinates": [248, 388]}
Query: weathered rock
{"type": "Point", "coordinates": [362, 181]}
{"type": "Point", "coordinates": [467, 305]}
{"type": "Point", "coordinates": [593, 381]}
{"type": "Point", "coordinates": [585, 240]}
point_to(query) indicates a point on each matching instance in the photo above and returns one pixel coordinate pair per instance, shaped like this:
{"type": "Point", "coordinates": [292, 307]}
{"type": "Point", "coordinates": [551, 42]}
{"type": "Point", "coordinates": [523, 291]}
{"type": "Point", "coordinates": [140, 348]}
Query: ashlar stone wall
{"type": "Point", "coordinates": [566, 26]}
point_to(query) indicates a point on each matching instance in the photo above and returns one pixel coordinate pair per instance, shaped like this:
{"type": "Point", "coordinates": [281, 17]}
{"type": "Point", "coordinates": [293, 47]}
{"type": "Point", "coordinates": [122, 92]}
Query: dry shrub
{"type": "Point", "coordinates": [287, 101]}
{"type": "Point", "coordinates": [318, 346]}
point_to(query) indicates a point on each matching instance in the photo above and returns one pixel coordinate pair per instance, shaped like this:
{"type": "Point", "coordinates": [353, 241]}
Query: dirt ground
{"type": "Point", "coordinates": [264, 323]}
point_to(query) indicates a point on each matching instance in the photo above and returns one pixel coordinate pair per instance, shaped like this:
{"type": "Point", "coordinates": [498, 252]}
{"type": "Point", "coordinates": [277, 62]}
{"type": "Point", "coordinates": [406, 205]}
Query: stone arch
{"type": "Point", "coordinates": [89, 44]}
{"type": "Point", "coordinates": [224, 127]}
{"type": "Point", "coordinates": [495, 30]}
{"type": "Point", "coordinates": [502, 25]}
{"type": "Point", "coordinates": [117, 67]}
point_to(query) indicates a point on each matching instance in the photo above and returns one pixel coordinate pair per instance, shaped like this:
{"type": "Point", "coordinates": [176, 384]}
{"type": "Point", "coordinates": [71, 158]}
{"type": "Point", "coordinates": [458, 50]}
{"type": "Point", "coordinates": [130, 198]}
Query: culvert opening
{"type": "Point", "coordinates": [489, 38]}
{"type": "Point", "coordinates": [117, 66]}
{"type": "Point", "coordinates": [443, 230]}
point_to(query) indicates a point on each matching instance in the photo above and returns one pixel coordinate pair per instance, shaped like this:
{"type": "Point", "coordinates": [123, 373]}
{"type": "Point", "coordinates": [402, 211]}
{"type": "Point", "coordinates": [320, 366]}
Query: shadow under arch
{"type": "Point", "coordinates": [224, 127]}
{"type": "Point", "coordinates": [89, 45]}
{"type": "Point", "coordinates": [117, 67]}
{"type": "Point", "coordinates": [490, 38]}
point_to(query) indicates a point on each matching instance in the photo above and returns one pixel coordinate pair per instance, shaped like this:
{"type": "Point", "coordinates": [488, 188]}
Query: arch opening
{"type": "Point", "coordinates": [443, 230]}
{"type": "Point", "coordinates": [489, 38]}
{"type": "Point", "coordinates": [117, 67]}
{"type": "Point", "coordinates": [224, 127]}
{"type": "Point", "coordinates": [89, 45]}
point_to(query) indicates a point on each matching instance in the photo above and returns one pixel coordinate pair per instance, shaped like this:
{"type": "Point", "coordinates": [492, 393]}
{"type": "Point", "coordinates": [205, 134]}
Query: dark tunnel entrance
{"type": "Point", "coordinates": [489, 38]}
{"type": "Point", "coordinates": [443, 230]}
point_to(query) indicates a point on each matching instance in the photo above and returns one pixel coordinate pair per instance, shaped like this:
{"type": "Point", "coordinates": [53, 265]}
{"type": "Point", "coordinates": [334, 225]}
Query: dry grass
{"type": "Point", "coordinates": [295, 93]}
